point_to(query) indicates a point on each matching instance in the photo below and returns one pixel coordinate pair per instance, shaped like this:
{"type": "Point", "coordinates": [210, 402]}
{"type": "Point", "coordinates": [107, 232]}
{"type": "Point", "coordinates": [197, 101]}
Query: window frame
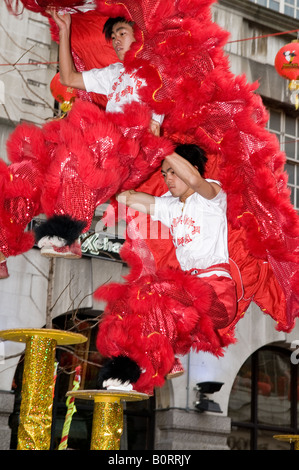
{"type": "Point", "coordinates": [284, 137]}
{"type": "Point", "coordinates": [253, 426]}
{"type": "Point", "coordinates": [283, 6]}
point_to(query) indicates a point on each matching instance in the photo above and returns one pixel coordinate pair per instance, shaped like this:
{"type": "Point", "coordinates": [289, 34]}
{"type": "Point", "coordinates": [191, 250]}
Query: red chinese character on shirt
{"type": "Point", "coordinates": [176, 221]}
{"type": "Point", "coordinates": [129, 90]}
{"type": "Point", "coordinates": [188, 239]}
{"type": "Point", "coordinates": [196, 229]}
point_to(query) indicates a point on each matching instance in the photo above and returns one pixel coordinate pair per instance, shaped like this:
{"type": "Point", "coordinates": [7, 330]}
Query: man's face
{"type": "Point", "coordinates": [122, 37]}
{"type": "Point", "coordinates": [176, 186]}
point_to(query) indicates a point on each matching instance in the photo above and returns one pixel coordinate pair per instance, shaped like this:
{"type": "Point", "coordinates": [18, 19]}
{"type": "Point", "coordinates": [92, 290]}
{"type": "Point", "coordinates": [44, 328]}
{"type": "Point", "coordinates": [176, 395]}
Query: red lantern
{"type": "Point", "coordinates": [62, 94]}
{"type": "Point", "coordinates": [287, 61]}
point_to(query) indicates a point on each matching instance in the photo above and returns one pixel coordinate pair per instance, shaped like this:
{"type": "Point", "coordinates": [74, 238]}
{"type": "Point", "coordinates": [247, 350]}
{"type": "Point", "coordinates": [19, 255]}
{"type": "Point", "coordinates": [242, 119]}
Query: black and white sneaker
{"type": "Point", "coordinates": [119, 373]}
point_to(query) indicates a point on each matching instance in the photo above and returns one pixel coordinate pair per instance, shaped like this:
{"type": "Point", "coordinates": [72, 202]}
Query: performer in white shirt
{"type": "Point", "coordinates": [194, 209]}
{"type": "Point", "coordinates": [113, 81]}
{"type": "Point", "coordinates": [68, 218]}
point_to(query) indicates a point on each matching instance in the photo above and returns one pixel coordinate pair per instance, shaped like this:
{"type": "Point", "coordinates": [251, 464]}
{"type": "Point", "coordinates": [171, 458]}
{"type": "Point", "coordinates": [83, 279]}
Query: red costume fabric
{"type": "Point", "coordinates": [207, 105]}
{"type": "Point", "coordinates": [221, 113]}
{"type": "Point", "coordinates": [93, 155]}
{"type": "Point", "coordinates": [20, 189]}
{"type": "Point", "coordinates": [157, 317]}
{"type": "Point", "coordinates": [90, 154]}
{"type": "Point", "coordinates": [179, 52]}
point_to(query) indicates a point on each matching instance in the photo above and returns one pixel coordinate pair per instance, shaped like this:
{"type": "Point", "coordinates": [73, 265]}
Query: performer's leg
{"type": "Point", "coordinates": [3, 267]}
{"type": "Point", "coordinates": [59, 235]}
{"type": "Point", "coordinates": [224, 306]}
{"type": "Point", "coordinates": [154, 318]}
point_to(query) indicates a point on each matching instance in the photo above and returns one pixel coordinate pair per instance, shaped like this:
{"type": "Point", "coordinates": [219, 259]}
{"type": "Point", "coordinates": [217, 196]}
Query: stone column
{"type": "Point", "coordinates": [6, 407]}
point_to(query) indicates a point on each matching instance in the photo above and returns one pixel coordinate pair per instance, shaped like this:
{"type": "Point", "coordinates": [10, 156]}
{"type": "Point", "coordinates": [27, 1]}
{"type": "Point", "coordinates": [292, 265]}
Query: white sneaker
{"type": "Point", "coordinates": [116, 384]}
{"type": "Point", "coordinates": [56, 247]}
{"type": "Point", "coordinates": [51, 241]}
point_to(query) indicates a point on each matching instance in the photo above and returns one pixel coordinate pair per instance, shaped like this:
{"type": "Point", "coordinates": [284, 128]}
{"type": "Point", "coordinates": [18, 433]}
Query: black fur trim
{"type": "Point", "coordinates": [122, 368]}
{"type": "Point", "coordinates": [62, 226]}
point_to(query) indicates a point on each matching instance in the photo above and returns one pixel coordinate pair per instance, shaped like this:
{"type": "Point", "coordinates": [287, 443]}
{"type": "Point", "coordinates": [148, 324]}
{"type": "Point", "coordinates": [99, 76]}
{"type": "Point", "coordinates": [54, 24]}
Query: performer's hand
{"type": "Point", "coordinates": [154, 127]}
{"type": "Point", "coordinates": [63, 21]}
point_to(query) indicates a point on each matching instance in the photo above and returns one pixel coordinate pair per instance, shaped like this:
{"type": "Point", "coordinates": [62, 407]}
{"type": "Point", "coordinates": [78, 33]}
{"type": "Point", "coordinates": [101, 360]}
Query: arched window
{"type": "Point", "coordinates": [263, 401]}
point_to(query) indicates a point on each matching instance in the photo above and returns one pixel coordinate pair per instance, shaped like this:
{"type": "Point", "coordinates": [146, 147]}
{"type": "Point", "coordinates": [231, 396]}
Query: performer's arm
{"type": "Point", "coordinates": [191, 176]}
{"type": "Point", "coordinates": [68, 74]}
{"type": "Point", "coordinates": [154, 127]}
{"type": "Point", "coordinates": [156, 123]}
{"type": "Point", "coordinates": [142, 202]}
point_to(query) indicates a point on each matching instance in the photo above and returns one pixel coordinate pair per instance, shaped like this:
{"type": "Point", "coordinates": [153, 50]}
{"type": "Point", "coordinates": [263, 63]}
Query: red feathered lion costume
{"type": "Point", "coordinates": [160, 311]}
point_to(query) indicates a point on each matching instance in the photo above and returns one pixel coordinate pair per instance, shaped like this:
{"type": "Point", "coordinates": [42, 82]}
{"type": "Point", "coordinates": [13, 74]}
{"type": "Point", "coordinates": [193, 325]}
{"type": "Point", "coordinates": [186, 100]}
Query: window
{"type": "Point", "coordinates": [138, 431]}
{"type": "Point", "coordinates": [286, 129]}
{"type": "Point", "coordinates": [263, 401]}
{"type": "Point", "coordinates": [36, 42]}
{"type": "Point", "coordinates": [38, 63]}
{"type": "Point", "coordinates": [36, 83]}
{"type": "Point", "coordinates": [33, 103]}
{"type": "Point", "coordinates": [286, 7]}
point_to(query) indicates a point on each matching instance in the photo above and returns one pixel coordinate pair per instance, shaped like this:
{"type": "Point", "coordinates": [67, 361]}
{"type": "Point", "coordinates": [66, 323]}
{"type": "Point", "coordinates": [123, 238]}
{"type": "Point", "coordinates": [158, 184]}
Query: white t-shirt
{"type": "Point", "coordinates": [198, 228]}
{"type": "Point", "coordinates": [119, 86]}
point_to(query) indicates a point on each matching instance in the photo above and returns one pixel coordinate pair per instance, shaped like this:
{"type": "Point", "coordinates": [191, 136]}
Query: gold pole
{"type": "Point", "coordinates": [107, 425]}
{"type": "Point", "coordinates": [34, 431]}
{"type": "Point", "coordinates": [107, 422]}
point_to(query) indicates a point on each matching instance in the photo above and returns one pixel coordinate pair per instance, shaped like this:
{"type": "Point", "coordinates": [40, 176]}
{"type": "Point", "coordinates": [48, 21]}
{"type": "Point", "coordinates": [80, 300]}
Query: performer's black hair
{"type": "Point", "coordinates": [194, 155]}
{"type": "Point", "coordinates": [107, 29]}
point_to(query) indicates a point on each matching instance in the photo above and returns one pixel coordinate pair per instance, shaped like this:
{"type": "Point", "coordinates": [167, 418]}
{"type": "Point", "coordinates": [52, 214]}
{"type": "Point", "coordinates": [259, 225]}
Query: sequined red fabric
{"type": "Point", "coordinates": [156, 317]}
{"type": "Point", "coordinates": [39, 6]}
{"type": "Point", "coordinates": [72, 165]}
{"type": "Point", "coordinates": [20, 184]}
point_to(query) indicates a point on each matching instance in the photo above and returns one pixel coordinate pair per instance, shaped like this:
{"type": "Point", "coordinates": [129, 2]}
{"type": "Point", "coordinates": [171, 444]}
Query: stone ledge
{"type": "Point", "coordinates": [191, 430]}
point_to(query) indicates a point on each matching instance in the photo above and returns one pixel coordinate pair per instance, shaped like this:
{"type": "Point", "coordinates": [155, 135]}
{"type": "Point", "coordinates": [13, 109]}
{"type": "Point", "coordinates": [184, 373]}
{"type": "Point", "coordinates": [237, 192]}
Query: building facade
{"type": "Point", "coordinates": [258, 375]}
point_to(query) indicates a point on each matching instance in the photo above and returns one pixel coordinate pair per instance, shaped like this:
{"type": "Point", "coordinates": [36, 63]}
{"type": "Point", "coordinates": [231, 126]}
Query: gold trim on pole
{"type": "Point", "coordinates": [291, 438]}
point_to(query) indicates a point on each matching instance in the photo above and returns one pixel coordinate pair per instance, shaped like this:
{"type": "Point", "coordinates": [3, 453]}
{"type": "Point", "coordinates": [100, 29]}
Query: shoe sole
{"type": "Point", "coordinates": [53, 254]}
{"type": "Point", "coordinates": [173, 375]}
{"type": "Point", "coordinates": [4, 274]}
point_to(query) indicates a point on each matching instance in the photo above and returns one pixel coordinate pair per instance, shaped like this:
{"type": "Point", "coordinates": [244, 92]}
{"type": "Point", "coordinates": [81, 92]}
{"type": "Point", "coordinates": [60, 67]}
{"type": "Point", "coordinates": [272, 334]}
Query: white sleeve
{"type": "Point", "coordinates": [158, 117]}
{"type": "Point", "coordinates": [161, 211]}
{"type": "Point", "coordinates": [97, 80]}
